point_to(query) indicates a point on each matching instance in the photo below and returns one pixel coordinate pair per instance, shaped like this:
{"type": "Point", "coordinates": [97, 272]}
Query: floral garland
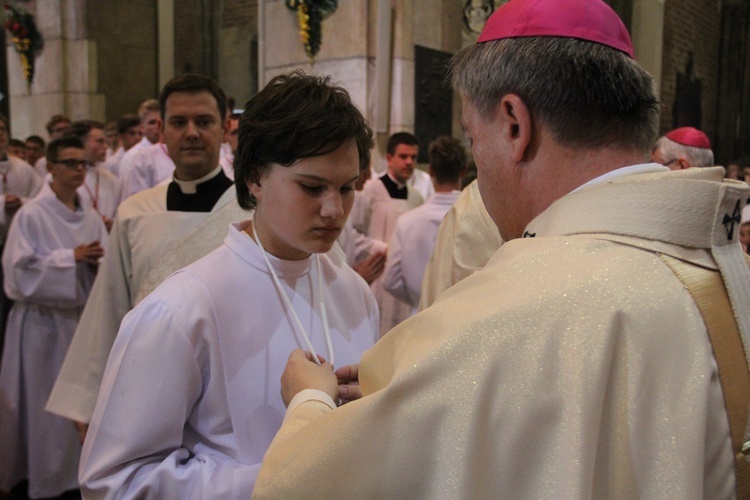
{"type": "Point", "coordinates": [26, 38]}
{"type": "Point", "coordinates": [310, 14]}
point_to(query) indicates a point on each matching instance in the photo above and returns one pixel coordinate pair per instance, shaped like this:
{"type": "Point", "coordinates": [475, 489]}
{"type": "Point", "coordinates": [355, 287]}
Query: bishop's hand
{"type": "Point", "coordinates": [348, 378]}
{"type": "Point", "coordinates": [302, 373]}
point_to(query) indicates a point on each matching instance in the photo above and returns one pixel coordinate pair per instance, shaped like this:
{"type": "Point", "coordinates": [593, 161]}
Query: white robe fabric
{"type": "Point", "coordinates": [143, 236]}
{"type": "Point", "coordinates": [356, 245]}
{"type": "Point", "coordinates": [411, 247]}
{"type": "Point", "coordinates": [21, 181]}
{"type": "Point", "coordinates": [226, 160]}
{"type": "Point", "coordinates": [377, 219]}
{"type": "Point", "coordinates": [421, 182]}
{"type": "Point", "coordinates": [575, 364]}
{"type": "Point", "coordinates": [49, 289]}
{"type": "Point", "coordinates": [466, 240]}
{"type": "Point", "coordinates": [216, 336]}
{"type": "Point", "coordinates": [149, 168]}
{"type": "Point", "coordinates": [100, 191]}
{"type": "Point", "coordinates": [112, 163]}
{"type": "Point", "coordinates": [128, 159]}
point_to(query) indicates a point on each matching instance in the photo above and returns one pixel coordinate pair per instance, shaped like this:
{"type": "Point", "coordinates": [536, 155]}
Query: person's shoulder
{"type": "Point", "coordinates": [22, 166]}
{"type": "Point", "coordinates": [150, 200]}
{"type": "Point", "coordinates": [107, 175]}
{"type": "Point", "coordinates": [335, 262]}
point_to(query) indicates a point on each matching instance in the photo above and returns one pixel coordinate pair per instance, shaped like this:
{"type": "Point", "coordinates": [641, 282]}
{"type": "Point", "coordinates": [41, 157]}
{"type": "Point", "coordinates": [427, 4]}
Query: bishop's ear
{"type": "Point", "coordinates": [516, 125]}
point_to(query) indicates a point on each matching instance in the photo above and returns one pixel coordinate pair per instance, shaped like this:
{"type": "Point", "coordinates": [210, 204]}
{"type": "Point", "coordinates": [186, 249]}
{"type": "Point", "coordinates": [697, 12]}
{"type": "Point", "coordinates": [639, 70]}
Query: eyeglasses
{"type": "Point", "coordinates": [668, 163]}
{"type": "Point", "coordinates": [72, 164]}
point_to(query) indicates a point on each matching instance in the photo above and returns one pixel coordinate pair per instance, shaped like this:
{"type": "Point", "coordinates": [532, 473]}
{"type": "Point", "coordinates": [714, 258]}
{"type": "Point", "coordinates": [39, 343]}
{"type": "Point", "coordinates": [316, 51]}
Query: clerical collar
{"type": "Point", "coordinates": [398, 184]}
{"type": "Point", "coordinates": [191, 187]}
{"type": "Point", "coordinates": [394, 189]}
{"type": "Point", "coordinates": [197, 196]}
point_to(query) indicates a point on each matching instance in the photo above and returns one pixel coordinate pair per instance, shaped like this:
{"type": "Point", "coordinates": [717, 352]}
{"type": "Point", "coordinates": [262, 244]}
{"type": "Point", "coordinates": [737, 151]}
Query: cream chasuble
{"type": "Point", "coordinates": [574, 365]}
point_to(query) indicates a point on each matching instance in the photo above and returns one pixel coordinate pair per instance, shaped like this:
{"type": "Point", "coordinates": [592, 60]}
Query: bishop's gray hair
{"type": "Point", "coordinates": [587, 94]}
{"type": "Point", "coordinates": [697, 157]}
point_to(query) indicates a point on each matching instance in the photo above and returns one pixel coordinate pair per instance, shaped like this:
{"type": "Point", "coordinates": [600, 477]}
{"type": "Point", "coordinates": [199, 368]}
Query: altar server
{"type": "Point", "coordinates": [50, 261]}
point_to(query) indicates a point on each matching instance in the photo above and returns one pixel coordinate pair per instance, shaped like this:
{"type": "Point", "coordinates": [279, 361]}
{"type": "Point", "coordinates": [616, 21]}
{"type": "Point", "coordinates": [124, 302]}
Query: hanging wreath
{"type": "Point", "coordinates": [310, 15]}
{"type": "Point", "coordinates": [26, 38]}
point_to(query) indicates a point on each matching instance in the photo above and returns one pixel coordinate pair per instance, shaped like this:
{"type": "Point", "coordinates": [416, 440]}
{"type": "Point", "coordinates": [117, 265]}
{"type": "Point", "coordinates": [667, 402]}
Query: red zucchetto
{"type": "Point", "coordinates": [591, 20]}
{"type": "Point", "coordinates": [689, 136]}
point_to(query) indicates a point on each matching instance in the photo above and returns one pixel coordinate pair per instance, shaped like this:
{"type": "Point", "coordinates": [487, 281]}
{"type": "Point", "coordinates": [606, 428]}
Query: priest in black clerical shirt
{"type": "Point", "coordinates": [384, 199]}
{"type": "Point", "coordinates": [154, 230]}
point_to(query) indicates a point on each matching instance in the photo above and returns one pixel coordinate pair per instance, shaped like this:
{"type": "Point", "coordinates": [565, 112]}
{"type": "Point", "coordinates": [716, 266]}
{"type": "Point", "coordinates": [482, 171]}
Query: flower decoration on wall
{"type": "Point", "coordinates": [310, 15]}
{"type": "Point", "coordinates": [26, 38]}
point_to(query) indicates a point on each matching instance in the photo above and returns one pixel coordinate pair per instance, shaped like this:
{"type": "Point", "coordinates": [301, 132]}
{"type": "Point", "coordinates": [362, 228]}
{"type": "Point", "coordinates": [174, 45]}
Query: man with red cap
{"type": "Point", "coordinates": [684, 147]}
{"type": "Point", "coordinates": [579, 362]}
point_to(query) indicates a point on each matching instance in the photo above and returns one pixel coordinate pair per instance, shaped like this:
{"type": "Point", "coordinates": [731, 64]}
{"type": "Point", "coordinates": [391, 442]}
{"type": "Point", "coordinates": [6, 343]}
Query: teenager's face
{"type": "Point", "coordinates": [131, 137]}
{"type": "Point", "coordinates": [302, 209]}
{"type": "Point", "coordinates": [95, 146]}
{"type": "Point", "coordinates": [69, 170]}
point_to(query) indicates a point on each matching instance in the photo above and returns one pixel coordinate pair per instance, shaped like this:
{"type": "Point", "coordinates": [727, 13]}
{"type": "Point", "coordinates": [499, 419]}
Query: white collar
{"type": "Point", "coordinates": [191, 187]}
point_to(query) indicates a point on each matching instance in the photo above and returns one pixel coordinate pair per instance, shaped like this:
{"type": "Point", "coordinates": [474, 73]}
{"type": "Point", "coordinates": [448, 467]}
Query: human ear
{"type": "Point", "coordinates": [255, 189]}
{"type": "Point", "coordinates": [516, 125]}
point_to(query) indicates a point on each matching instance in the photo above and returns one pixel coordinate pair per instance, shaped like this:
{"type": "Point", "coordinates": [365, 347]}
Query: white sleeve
{"type": "Point", "coordinates": [44, 276]}
{"type": "Point", "coordinates": [136, 443]}
{"type": "Point", "coordinates": [33, 185]}
{"type": "Point", "coordinates": [140, 178]}
{"type": "Point", "coordinates": [393, 276]}
{"type": "Point", "coordinates": [74, 393]}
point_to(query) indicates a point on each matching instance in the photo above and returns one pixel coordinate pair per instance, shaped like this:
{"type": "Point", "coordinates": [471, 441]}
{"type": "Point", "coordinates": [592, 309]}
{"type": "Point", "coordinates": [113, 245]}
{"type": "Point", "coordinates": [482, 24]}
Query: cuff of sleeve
{"type": "Point", "coordinates": [309, 395]}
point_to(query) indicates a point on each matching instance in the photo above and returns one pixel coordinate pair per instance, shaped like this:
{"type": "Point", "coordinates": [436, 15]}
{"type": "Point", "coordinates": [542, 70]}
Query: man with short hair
{"type": "Point", "coordinates": [151, 124]}
{"type": "Point", "coordinates": [416, 230]}
{"type": "Point", "coordinates": [17, 148]}
{"type": "Point", "coordinates": [383, 200]}
{"type": "Point", "coordinates": [18, 184]}
{"type": "Point", "coordinates": [681, 148]}
{"type": "Point", "coordinates": [149, 164]}
{"type": "Point", "coordinates": [50, 261]}
{"type": "Point", "coordinates": [155, 233]}
{"type": "Point", "coordinates": [35, 148]}
{"type": "Point", "coordinates": [578, 363]}
{"type": "Point", "coordinates": [101, 189]}
{"type": "Point", "coordinates": [229, 146]}
{"type": "Point", "coordinates": [56, 127]}
{"type": "Point", "coordinates": [129, 133]}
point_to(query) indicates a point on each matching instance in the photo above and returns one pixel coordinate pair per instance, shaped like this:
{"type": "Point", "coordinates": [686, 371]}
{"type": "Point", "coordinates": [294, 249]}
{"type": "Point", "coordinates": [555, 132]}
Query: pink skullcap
{"type": "Point", "coordinates": [689, 136]}
{"type": "Point", "coordinates": [591, 20]}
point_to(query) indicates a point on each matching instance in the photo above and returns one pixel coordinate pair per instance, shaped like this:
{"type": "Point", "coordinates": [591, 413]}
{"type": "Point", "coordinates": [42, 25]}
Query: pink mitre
{"type": "Point", "coordinates": [689, 136]}
{"type": "Point", "coordinates": [591, 20]}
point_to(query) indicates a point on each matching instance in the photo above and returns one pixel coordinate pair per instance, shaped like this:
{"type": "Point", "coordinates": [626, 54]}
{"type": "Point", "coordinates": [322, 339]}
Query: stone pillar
{"type": "Point", "coordinates": [65, 79]}
{"type": "Point", "coordinates": [647, 34]}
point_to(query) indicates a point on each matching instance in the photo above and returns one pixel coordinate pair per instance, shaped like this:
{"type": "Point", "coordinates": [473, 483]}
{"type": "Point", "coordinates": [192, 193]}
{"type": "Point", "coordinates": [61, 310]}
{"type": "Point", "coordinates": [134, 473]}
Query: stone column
{"type": "Point", "coordinates": [65, 79]}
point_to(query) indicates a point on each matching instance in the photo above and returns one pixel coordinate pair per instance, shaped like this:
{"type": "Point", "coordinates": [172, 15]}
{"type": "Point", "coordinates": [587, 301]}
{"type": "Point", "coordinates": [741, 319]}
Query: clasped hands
{"type": "Point", "coordinates": [302, 373]}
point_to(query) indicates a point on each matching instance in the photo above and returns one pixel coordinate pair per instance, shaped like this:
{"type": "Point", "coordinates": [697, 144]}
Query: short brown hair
{"type": "Point", "coordinates": [295, 116]}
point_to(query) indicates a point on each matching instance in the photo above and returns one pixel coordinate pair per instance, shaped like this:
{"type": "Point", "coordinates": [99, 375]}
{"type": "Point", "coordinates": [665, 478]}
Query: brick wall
{"type": "Point", "coordinates": [691, 26]}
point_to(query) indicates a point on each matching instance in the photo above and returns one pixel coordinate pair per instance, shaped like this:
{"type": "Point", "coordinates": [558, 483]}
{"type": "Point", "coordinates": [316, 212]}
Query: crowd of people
{"type": "Point", "coordinates": [199, 303]}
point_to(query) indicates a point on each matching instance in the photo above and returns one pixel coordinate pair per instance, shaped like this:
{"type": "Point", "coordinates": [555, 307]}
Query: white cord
{"type": "Point", "coordinates": [280, 288]}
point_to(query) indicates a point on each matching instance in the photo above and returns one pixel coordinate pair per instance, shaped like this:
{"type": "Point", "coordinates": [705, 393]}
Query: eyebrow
{"type": "Point", "coordinates": [323, 179]}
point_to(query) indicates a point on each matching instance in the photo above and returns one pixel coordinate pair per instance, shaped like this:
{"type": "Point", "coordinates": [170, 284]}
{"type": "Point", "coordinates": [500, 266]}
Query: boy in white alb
{"type": "Point", "coordinates": [50, 261]}
{"type": "Point", "coordinates": [217, 334]}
